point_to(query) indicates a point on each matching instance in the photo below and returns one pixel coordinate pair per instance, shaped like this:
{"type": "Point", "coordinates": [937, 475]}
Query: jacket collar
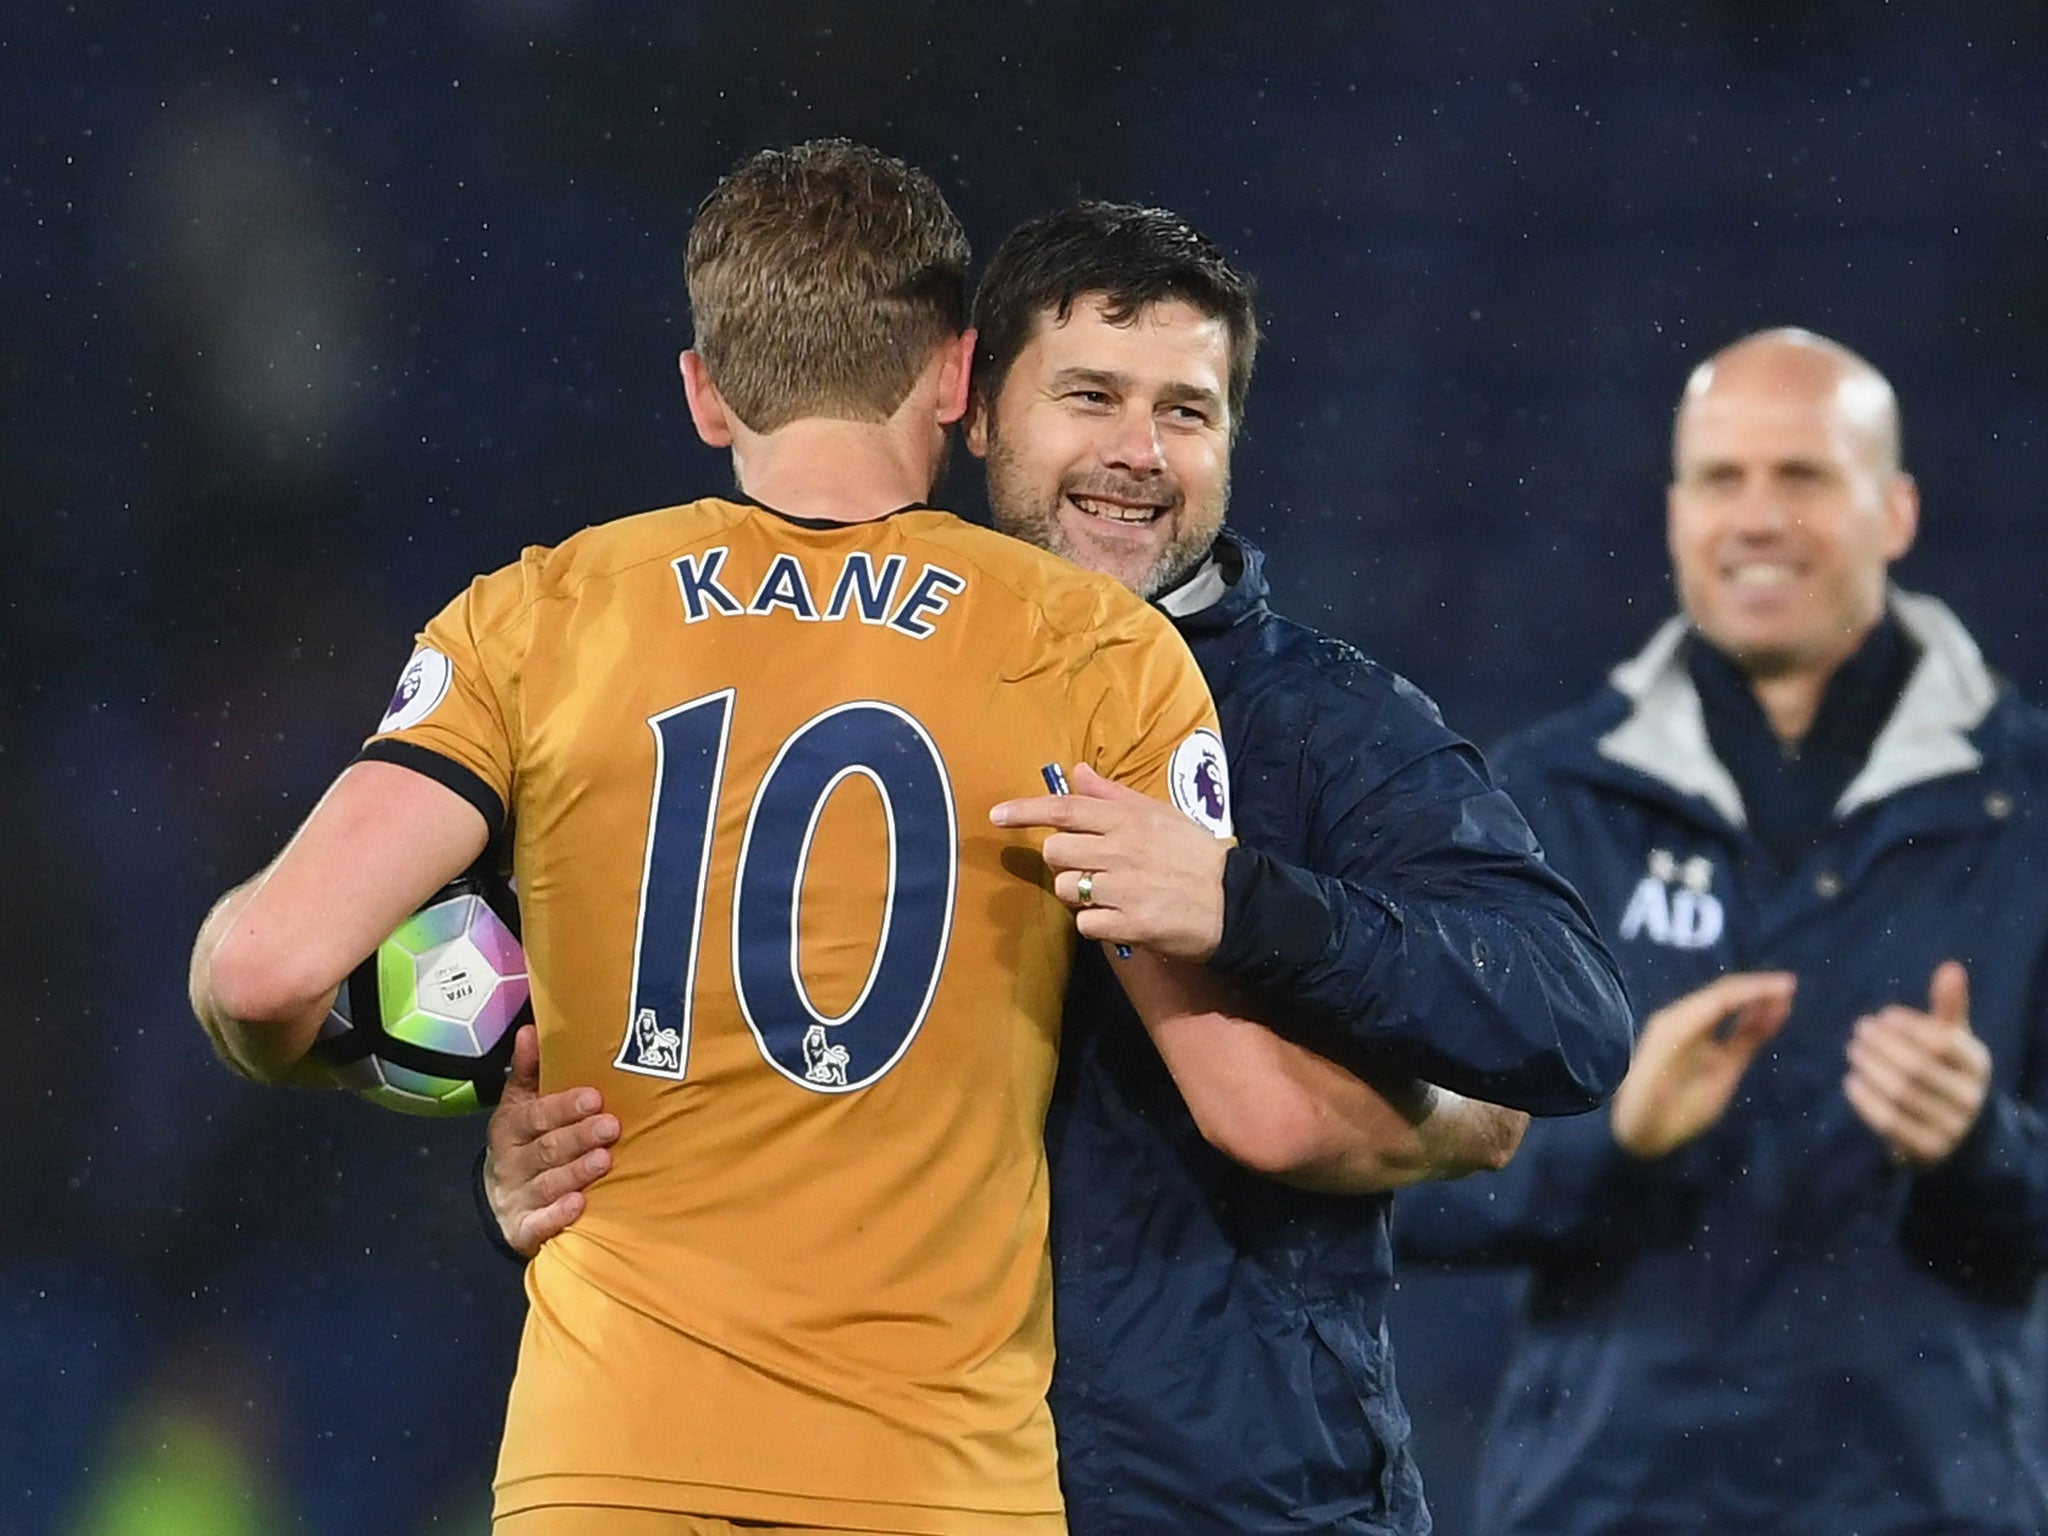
{"type": "Point", "coordinates": [1947, 696]}
{"type": "Point", "coordinates": [1229, 585]}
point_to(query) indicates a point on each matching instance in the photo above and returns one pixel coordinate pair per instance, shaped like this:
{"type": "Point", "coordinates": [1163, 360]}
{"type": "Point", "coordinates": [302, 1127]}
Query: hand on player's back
{"type": "Point", "coordinates": [1154, 876]}
{"type": "Point", "coordinates": [543, 1151]}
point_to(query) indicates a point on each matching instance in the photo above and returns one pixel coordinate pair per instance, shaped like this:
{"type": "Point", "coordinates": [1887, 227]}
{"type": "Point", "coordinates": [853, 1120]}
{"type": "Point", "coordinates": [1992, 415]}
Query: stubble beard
{"type": "Point", "coordinates": [1020, 514]}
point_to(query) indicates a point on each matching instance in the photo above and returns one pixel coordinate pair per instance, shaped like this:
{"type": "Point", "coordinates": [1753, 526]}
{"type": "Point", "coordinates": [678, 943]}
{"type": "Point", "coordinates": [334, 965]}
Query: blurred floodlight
{"type": "Point", "coordinates": [255, 281]}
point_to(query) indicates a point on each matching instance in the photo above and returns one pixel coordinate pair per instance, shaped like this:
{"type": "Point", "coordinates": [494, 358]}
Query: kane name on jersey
{"type": "Point", "coordinates": [860, 590]}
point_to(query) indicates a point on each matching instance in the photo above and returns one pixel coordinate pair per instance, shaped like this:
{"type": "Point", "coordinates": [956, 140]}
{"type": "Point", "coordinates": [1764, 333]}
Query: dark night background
{"type": "Point", "coordinates": [308, 313]}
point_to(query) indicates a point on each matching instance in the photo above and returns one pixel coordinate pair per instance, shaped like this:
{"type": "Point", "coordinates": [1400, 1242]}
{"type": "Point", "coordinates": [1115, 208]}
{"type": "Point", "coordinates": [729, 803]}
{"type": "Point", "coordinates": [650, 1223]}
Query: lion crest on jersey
{"type": "Point", "coordinates": [654, 1048]}
{"type": "Point", "coordinates": [824, 1062]}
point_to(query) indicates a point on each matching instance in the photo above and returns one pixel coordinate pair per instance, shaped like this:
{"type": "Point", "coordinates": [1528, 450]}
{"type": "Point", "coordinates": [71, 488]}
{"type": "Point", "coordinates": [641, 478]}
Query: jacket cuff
{"type": "Point", "coordinates": [1965, 1218]}
{"type": "Point", "coordinates": [1974, 1157]}
{"type": "Point", "coordinates": [485, 1216]}
{"type": "Point", "coordinates": [1276, 918]}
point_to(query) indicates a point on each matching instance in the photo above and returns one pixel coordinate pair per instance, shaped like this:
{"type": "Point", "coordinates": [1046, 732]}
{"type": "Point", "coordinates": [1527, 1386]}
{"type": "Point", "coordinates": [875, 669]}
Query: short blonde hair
{"type": "Point", "coordinates": [822, 278]}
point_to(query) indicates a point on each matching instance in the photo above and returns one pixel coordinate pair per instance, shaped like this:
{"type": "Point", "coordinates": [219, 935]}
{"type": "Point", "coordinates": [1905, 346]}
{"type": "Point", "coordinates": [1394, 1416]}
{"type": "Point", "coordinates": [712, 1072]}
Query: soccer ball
{"type": "Point", "coordinates": [425, 1025]}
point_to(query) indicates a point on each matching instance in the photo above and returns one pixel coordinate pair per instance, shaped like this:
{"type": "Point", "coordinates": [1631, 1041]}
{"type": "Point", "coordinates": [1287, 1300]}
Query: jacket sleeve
{"type": "Point", "coordinates": [1569, 1197]}
{"type": "Point", "coordinates": [1981, 1217]}
{"type": "Point", "coordinates": [1432, 939]}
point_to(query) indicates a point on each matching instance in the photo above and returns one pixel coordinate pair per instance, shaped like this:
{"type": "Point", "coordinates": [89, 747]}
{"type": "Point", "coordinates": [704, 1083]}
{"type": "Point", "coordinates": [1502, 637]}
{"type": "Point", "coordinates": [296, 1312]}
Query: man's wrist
{"type": "Point", "coordinates": [480, 1196]}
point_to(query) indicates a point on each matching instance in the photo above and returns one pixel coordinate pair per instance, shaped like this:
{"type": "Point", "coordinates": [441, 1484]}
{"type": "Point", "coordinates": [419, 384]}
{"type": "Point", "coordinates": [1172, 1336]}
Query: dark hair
{"type": "Point", "coordinates": [822, 277]}
{"type": "Point", "coordinates": [1133, 257]}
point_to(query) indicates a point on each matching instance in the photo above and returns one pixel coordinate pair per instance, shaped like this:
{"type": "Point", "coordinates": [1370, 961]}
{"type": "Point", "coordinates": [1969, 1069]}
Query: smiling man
{"type": "Point", "coordinates": [1220, 1249]}
{"type": "Point", "coordinates": [1223, 1363]}
{"type": "Point", "coordinates": [1787, 507]}
{"type": "Point", "coordinates": [1138, 495]}
{"type": "Point", "coordinates": [1800, 1289]}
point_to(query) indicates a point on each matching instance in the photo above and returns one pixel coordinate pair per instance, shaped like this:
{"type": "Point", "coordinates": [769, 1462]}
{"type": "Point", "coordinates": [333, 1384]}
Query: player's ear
{"type": "Point", "coordinates": [707, 406]}
{"type": "Point", "coordinates": [1901, 514]}
{"type": "Point", "coordinates": [956, 376]}
{"type": "Point", "coordinates": [980, 427]}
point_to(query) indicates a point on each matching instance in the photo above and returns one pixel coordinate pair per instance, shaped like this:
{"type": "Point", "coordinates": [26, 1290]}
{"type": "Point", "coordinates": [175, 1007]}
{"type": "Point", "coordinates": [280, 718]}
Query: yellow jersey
{"type": "Point", "coordinates": [747, 761]}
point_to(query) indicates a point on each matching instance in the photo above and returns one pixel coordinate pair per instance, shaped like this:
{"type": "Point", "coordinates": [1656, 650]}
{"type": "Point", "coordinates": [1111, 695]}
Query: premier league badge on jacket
{"type": "Point", "coordinates": [1674, 904]}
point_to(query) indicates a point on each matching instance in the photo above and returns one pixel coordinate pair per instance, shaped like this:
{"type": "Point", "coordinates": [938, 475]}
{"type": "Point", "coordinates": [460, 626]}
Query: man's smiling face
{"type": "Point", "coordinates": [1110, 444]}
{"type": "Point", "coordinates": [1786, 506]}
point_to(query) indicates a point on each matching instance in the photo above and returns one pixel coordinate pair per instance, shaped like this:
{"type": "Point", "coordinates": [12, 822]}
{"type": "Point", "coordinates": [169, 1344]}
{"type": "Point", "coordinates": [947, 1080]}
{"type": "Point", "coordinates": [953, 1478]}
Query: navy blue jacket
{"type": "Point", "coordinates": [1223, 1363]}
{"type": "Point", "coordinates": [1778, 1330]}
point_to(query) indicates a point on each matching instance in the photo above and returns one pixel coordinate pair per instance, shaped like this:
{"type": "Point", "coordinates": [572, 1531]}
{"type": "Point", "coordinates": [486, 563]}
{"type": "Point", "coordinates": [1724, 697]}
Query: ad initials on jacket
{"type": "Point", "coordinates": [1674, 904]}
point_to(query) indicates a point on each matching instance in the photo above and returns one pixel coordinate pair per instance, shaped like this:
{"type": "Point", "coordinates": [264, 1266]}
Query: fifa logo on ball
{"type": "Point", "coordinates": [453, 984]}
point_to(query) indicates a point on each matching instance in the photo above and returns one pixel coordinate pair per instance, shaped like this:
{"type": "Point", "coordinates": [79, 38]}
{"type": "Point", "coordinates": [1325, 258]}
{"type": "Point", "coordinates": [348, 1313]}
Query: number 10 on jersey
{"type": "Point", "coordinates": [821, 1052]}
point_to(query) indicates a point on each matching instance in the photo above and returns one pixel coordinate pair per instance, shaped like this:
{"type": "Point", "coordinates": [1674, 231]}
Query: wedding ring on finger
{"type": "Point", "coordinates": [1087, 888]}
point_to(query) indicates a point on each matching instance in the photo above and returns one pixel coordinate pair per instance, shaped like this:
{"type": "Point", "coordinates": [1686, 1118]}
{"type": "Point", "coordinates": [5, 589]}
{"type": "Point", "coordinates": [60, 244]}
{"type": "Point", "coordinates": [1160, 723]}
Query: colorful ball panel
{"type": "Point", "coordinates": [425, 1025]}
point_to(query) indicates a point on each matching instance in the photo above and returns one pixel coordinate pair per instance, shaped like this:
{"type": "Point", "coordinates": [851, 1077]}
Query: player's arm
{"type": "Point", "coordinates": [1297, 1117]}
{"type": "Point", "coordinates": [1481, 970]}
{"type": "Point", "coordinates": [273, 951]}
{"type": "Point", "coordinates": [1273, 1106]}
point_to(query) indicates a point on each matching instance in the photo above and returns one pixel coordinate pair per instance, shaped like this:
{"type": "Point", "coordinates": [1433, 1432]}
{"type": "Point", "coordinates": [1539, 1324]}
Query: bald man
{"type": "Point", "coordinates": [1793, 1282]}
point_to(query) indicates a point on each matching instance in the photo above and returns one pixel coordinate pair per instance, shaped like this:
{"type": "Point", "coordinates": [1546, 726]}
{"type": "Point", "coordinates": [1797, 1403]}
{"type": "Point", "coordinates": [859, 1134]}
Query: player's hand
{"type": "Point", "coordinates": [542, 1151]}
{"type": "Point", "coordinates": [1919, 1079]}
{"type": "Point", "coordinates": [1155, 877]}
{"type": "Point", "coordinates": [1690, 1058]}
